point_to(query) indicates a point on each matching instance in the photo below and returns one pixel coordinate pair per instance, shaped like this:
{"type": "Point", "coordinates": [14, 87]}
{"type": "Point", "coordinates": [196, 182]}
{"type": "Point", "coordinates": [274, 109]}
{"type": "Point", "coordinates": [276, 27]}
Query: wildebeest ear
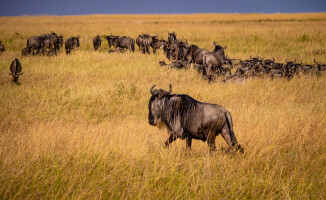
{"type": "Point", "coordinates": [176, 100]}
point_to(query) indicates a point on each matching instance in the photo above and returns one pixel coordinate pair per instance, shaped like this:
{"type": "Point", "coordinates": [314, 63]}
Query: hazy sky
{"type": "Point", "coordinates": [82, 7]}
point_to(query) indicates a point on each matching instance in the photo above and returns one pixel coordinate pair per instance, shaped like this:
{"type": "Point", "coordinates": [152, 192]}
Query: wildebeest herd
{"type": "Point", "coordinates": [184, 117]}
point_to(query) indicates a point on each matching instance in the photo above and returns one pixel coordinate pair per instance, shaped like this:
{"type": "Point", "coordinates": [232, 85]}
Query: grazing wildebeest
{"type": "Point", "coordinates": [110, 39]}
{"type": "Point", "coordinates": [188, 118]}
{"type": "Point", "coordinates": [2, 48]}
{"type": "Point", "coordinates": [145, 44]}
{"type": "Point", "coordinates": [26, 52]}
{"type": "Point", "coordinates": [97, 42]}
{"type": "Point", "coordinates": [213, 61]}
{"type": "Point", "coordinates": [195, 54]}
{"type": "Point", "coordinates": [71, 43]}
{"type": "Point", "coordinates": [124, 43]}
{"type": "Point", "coordinates": [15, 69]}
{"type": "Point", "coordinates": [52, 41]}
{"type": "Point", "coordinates": [36, 43]}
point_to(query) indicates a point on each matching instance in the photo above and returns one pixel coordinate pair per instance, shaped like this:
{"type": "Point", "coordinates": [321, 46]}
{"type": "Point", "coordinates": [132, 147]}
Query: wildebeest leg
{"type": "Point", "coordinates": [211, 141]}
{"type": "Point", "coordinates": [188, 141]}
{"type": "Point", "coordinates": [171, 139]}
{"type": "Point", "coordinates": [230, 139]}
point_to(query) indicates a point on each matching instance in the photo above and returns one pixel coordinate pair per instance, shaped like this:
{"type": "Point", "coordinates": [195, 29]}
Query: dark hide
{"type": "Point", "coordinates": [26, 52]}
{"type": "Point", "coordinates": [213, 61]}
{"type": "Point", "coordinates": [124, 43]}
{"type": "Point", "coordinates": [178, 64]}
{"type": "Point", "coordinates": [194, 54]}
{"type": "Point", "coordinates": [97, 42]}
{"type": "Point", "coordinates": [187, 118]}
{"type": "Point", "coordinates": [36, 43]}
{"type": "Point", "coordinates": [52, 52]}
{"type": "Point", "coordinates": [15, 69]}
{"type": "Point", "coordinates": [2, 48]}
{"type": "Point", "coordinates": [71, 43]}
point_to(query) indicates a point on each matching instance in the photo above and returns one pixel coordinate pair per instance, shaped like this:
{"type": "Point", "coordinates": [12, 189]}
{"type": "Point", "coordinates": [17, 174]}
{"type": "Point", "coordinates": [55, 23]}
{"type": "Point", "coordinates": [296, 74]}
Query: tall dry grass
{"type": "Point", "coordinates": [76, 127]}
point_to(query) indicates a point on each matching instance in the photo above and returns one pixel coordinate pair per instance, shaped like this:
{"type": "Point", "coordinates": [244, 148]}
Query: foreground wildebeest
{"type": "Point", "coordinates": [71, 43]}
{"type": "Point", "coordinates": [97, 42]}
{"type": "Point", "coordinates": [36, 43]}
{"type": "Point", "coordinates": [187, 118]}
{"type": "Point", "coordinates": [2, 48]}
{"type": "Point", "coordinates": [123, 43]}
{"type": "Point", "coordinates": [213, 61]}
{"type": "Point", "coordinates": [15, 69]}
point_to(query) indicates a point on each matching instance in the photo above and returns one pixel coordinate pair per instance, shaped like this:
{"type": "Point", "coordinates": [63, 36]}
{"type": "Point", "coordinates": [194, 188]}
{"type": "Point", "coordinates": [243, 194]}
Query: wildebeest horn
{"type": "Point", "coordinates": [273, 59]}
{"type": "Point", "coordinates": [170, 88]}
{"type": "Point", "coordinates": [315, 61]}
{"type": "Point", "coordinates": [214, 43]}
{"type": "Point", "coordinates": [151, 90]}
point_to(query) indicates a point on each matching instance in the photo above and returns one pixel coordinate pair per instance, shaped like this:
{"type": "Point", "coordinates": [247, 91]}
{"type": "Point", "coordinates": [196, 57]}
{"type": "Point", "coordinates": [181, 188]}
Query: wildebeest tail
{"type": "Point", "coordinates": [230, 124]}
{"type": "Point", "coordinates": [133, 45]}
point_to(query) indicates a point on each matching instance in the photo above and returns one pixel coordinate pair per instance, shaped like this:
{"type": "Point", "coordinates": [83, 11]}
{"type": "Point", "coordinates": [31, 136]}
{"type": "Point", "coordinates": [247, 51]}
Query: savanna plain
{"type": "Point", "coordinates": [77, 126]}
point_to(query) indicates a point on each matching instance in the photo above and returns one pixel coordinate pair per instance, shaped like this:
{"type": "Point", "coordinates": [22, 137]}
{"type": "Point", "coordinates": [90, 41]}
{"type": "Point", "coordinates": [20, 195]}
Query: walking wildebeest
{"type": "Point", "coordinates": [188, 118]}
{"type": "Point", "coordinates": [97, 42]}
{"type": "Point", "coordinates": [195, 54]}
{"type": "Point", "coordinates": [36, 43]}
{"type": "Point", "coordinates": [15, 69]}
{"type": "Point", "coordinates": [123, 43]}
{"type": "Point", "coordinates": [213, 61]}
{"type": "Point", "coordinates": [2, 48]}
{"type": "Point", "coordinates": [71, 43]}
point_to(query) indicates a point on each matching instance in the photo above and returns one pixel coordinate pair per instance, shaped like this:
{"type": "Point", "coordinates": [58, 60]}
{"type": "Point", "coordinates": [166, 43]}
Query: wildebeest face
{"type": "Point", "coordinates": [76, 41]}
{"type": "Point", "coordinates": [155, 106]}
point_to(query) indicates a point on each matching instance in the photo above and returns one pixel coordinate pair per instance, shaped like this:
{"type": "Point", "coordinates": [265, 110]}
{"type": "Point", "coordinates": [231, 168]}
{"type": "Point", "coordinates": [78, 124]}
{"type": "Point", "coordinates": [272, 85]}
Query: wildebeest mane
{"type": "Point", "coordinates": [178, 106]}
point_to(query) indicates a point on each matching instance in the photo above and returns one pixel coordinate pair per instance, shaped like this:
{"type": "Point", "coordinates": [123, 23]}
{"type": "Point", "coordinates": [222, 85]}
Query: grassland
{"type": "Point", "coordinates": [76, 127]}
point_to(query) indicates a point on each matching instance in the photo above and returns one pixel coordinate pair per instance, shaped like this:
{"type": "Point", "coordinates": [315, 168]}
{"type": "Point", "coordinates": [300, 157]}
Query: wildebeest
{"type": "Point", "coordinates": [71, 43]}
{"type": "Point", "coordinates": [123, 43]}
{"type": "Point", "coordinates": [97, 42]}
{"type": "Point", "coordinates": [36, 43]}
{"type": "Point", "coordinates": [179, 64]}
{"type": "Point", "coordinates": [189, 119]}
{"type": "Point", "coordinates": [213, 61]}
{"type": "Point", "coordinates": [15, 68]}
{"type": "Point", "coordinates": [52, 52]}
{"type": "Point", "coordinates": [2, 48]}
{"type": "Point", "coordinates": [172, 39]}
{"type": "Point", "coordinates": [195, 54]}
{"type": "Point", "coordinates": [26, 52]}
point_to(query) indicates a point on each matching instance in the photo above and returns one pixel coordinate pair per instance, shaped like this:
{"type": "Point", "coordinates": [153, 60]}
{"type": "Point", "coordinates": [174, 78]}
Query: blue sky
{"type": "Point", "coordinates": [83, 7]}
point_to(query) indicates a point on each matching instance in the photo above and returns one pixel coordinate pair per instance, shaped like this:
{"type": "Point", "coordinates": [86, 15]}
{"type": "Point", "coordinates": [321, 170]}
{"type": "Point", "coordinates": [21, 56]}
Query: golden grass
{"type": "Point", "coordinates": [76, 127]}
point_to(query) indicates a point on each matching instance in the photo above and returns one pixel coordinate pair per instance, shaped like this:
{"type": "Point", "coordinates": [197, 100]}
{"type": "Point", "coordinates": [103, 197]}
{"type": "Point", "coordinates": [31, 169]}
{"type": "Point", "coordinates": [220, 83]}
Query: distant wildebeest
{"type": "Point", "coordinates": [71, 43]}
{"type": "Point", "coordinates": [2, 47]}
{"type": "Point", "coordinates": [172, 39]}
{"type": "Point", "coordinates": [195, 54]}
{"type": "Point", "coordinates": [26, 52]}
{"type": "Point", "coordinates": [123, 43]}
{"type": "Point", "coordinates": [15, 69]}
{"type": "Point", "coordinates": [213, 61]}
{"type": "Point", "coordinates": [36, 43]}
{"type": "Point", "coordinates": [189, 119]}
{"type": "Point", "coordinates": [97, 42]}
{"type": "Point", "coordinates": [178, 64]}
{"type": "Point", "coordinates": [52, 52]}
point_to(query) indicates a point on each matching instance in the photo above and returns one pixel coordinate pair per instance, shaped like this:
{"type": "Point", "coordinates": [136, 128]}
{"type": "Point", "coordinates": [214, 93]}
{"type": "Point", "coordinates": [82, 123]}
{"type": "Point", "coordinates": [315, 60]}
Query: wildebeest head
{"type": "Point", "coordinates": [76, 41]}
{"type": "Point", "coordinates": [155, 105]}
{"type": "Point", "coordinates": [172, 37]}
{"type": "Point", "coordinates": [60, 40]}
